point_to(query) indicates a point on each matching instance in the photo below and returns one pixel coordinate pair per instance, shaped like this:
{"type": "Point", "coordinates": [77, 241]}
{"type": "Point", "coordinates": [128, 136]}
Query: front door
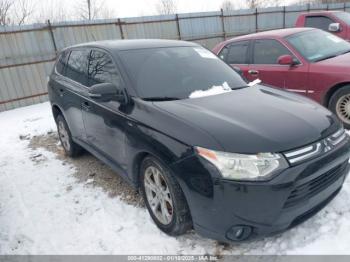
{"type": "Point", "coordinates": [104, 121]}
{"type": "Point", "coordinates": [265, 67]}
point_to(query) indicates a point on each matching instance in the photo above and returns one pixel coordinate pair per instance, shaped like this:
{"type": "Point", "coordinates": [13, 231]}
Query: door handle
{"type": "Point", "coordinates": [253, 72]}
{"type": "Point", "coordinates": [86, 106]}
{"type": "Point", "coordinates": [61, 91]}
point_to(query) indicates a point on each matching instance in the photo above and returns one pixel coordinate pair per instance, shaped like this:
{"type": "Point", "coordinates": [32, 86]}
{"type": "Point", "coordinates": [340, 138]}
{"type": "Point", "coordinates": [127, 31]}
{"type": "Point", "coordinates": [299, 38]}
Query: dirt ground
{"type": "Point", "coordinates": [88, 169]}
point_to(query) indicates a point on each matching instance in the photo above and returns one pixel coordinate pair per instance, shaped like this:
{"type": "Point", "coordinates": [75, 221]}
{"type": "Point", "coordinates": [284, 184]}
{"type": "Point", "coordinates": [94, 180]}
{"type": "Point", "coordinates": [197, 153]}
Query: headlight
{"type": "Point", "coordinates": [244, 167]}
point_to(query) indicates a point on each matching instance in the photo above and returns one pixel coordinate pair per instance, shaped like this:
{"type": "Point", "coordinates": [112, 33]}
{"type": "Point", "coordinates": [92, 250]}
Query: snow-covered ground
{"type": "Point", "coordinates": [38, 215]}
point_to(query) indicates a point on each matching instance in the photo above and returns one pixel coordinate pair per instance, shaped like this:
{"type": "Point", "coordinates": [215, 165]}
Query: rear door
{"type": "Point", "coordinates": [105, 121]}
{"type": "Point", "coordinates": [236, 55]}
{"type": "Point", "coordinates": [71, 87]}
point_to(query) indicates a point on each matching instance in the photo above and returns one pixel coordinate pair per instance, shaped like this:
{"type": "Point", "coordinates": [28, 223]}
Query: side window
{"type": "Point", "coordinates": [61, 62]}
{"type": "Point", "coordinates": [235, 53]}
{"type": "Point", "coordinates": [76, 68]}
{"type": "Point", "coordinates": [102, 69]}
{"type": "Point", "coordinates": [268, 51]}
{"type": "Point", "coordinates": [320, 22]}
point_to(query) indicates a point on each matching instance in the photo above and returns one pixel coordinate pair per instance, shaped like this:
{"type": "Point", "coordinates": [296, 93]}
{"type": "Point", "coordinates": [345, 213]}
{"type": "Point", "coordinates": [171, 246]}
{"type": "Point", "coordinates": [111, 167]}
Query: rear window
{"type": "Point", "coordinates": [61, 62]}
{"type": "Point", "coordinates": [235, 53]}
{"type": "Point", "coordinates": [76, 68]}
{"type": "Point", "coordinates": [320, 22]}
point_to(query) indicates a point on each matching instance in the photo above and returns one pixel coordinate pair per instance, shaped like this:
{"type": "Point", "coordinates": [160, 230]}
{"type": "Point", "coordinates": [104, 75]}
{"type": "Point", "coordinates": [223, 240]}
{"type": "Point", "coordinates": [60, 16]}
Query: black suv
{"type": "Point", "coordinates": [205, 149]}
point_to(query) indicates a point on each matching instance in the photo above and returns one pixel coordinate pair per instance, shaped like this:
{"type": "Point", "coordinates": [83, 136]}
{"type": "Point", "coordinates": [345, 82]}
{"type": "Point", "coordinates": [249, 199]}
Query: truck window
{"type": "Point", "coordinates": [320, 22]}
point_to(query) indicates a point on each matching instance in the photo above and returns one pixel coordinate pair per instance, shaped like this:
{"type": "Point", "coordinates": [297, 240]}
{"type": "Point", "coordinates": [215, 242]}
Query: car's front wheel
{"type": "Point", "coordinates": [72, 149]}
{"type": "Point", "coordinates": [164, 198]}
{"type": "Point", "coordinates": [340, 105]}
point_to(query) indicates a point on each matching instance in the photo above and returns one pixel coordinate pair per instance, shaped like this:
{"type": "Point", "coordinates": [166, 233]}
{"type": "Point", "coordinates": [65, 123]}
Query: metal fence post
{"type": "Point", "coordinates": [49, 26]}
{"type": "Point", "coordinates": [178, 26]}
{"type": "Point", "coordinates": [284, 16]}
{"type": "Point", "coordinates": [256, 20]}
{"type": "Point", "coordinates": [223, 23]}
{"type": "Point", "coordinates": [121, 29]}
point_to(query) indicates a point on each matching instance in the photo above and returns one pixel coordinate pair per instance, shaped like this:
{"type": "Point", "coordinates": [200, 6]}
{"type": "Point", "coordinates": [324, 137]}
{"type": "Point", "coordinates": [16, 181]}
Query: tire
{"type": "Point", "coordinates": [71, 149]}
{"type": "Point", "coordinates": [176, 219]}
{"type": "Point", "coordinates": [339, 104]}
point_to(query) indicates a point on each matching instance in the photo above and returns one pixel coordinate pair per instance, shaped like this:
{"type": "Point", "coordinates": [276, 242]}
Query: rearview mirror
{"type": "Point", "coordinates": [106, 92]}
{"type": "Point", "coordinates": [334, 27]}
{"type": "Point", "coordinates": [287, 60]}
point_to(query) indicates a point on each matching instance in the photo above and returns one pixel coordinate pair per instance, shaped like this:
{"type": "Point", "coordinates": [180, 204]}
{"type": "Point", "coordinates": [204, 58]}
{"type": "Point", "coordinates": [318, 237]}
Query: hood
{"type": "Point", "coordinates": [253, 120]}
{"type": "Point", "coordinates": [338, 61]}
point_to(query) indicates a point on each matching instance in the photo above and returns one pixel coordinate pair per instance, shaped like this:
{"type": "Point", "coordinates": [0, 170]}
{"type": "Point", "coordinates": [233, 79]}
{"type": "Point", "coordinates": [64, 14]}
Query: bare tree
{"type": "Point", "coordinates": [5, 7]}
{"type": "Point", "coordinates": [166, 7]}
{"type": "Point", "coordinates": [93, 9]}
{"type": "Point", "coordinates": [23, 11]}
{"type": "Point", "coordinates": [227, 5]}
{"type": "Point", "coordinates": [263, 3]}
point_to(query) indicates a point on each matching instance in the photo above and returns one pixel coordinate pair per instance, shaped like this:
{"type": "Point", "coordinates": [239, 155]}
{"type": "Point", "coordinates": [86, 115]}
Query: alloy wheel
{"type": "Point", "coordinates": [63, 134]}
{"type": "Point", "coordinates": [158, 195]}
{"type": "Point", "coordinates": [343, 108]}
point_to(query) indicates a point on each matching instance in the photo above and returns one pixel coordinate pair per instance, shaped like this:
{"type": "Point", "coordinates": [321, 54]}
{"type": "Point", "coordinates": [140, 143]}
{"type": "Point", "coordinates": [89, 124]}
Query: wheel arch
{"type": "Point", "coordinates": [136, 166]}
{"type": "Point", "coordinates": [56, 110]}
{"type": "Point", "coordinates": [331, 92]}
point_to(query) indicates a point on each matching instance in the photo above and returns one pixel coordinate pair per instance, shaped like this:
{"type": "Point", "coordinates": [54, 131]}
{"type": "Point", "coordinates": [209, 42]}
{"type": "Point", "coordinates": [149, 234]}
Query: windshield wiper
{"type": "Point", "coordinates": [161, 98]}
{"type": "Point", "coordinates": [343, 53]}
{"type": "Point", "coordinates": [239, 87]}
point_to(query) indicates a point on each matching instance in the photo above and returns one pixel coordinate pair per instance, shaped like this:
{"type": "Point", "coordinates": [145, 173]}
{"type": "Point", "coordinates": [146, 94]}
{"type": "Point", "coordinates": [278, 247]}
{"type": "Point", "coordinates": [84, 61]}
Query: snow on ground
{"type": "Point", "coordinates": [38, 215]}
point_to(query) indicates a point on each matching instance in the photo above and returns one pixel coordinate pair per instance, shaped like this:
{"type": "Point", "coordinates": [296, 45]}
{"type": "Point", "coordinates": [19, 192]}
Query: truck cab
{"type": "Point", "coordinates": [335, 22]}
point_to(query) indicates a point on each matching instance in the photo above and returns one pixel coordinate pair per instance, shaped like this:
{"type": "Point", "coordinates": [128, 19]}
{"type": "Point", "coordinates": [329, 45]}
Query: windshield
{"type": "Point", "coordinates": [318, 45]}
{"type": "Point", "coordinates": [177, 72]}
{"type": "Point", "coordinates": [344, 16]}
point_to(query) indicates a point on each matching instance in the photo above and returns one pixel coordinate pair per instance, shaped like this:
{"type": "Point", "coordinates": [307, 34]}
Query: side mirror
{"type": "Point", "coordinates": [334, 27]}
{"type": "Point", "coordinates": [106, 92]}
{"type": "Point", "coordinates": [287, 60]}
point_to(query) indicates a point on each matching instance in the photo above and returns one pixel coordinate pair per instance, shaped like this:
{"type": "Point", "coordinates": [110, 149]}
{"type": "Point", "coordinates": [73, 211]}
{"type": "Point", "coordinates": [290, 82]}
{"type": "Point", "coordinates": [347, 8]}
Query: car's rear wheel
{"type": "Point", "coordinates": [164, 198]}
{"type": "Point", "coordinates": [340, 105]}
{"type": "Point", "coordinates": [72, 149]}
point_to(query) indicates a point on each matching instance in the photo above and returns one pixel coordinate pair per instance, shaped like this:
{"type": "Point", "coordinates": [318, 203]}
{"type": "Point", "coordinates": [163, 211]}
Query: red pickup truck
{"type": "Point", "coordinates": [336, 22]}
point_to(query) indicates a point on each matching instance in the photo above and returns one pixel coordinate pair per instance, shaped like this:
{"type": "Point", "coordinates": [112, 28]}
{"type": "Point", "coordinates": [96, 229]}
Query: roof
{"type": "Point", "coordinates": [279, 33]}
{"type": "Point", "coordinates": [119, 45]}
{"type": "Point", "coordinates": [322, 12]}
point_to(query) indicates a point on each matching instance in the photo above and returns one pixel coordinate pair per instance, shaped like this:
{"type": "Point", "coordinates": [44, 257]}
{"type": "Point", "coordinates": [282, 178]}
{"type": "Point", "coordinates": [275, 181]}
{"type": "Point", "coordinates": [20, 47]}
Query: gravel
{"type": "Point", "coordinates": [88, 169]}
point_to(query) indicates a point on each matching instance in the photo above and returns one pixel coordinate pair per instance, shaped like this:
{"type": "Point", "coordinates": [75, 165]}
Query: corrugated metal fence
{"type": "Point", "coordinates": [27, 53]}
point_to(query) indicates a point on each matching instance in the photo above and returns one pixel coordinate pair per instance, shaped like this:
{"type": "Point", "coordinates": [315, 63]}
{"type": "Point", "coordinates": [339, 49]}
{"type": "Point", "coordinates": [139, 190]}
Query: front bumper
{"type": "Point", "coordinates": [228, 210]}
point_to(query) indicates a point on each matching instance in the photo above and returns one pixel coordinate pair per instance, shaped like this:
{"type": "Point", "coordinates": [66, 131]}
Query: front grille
{"type": "Point", "coordinates": [307, 190]}
{"type": "Point", "coordinates": [316, 149]}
